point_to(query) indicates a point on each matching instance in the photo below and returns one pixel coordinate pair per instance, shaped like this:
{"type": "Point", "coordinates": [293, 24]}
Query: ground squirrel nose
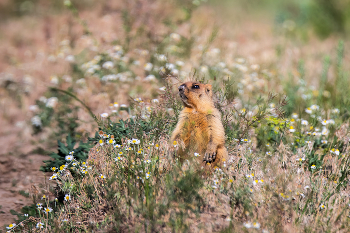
{"type": "Point", "coordinates": [182, 87]}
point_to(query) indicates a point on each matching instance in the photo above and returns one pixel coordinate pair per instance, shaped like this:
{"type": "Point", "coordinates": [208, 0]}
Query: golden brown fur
{"type": "Point", "coordinates": [199, 127]}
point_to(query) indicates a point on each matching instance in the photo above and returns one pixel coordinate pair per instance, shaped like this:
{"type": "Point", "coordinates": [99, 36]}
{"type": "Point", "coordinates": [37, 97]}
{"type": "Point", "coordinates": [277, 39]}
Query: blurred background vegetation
{"type": "Point", "coordinates": [323, 17]}
{"type": "Point", "coordinates": [10, 9]}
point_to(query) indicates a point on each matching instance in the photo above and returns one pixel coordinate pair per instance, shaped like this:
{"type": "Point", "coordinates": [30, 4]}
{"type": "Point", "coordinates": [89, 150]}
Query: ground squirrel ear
{"type": "Point", "coordinates": [208, 89]}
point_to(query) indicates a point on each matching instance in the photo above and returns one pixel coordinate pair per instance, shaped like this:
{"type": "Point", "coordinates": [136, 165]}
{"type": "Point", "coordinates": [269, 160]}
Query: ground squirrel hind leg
{"type": "Point", "coordinates": [221, 157]}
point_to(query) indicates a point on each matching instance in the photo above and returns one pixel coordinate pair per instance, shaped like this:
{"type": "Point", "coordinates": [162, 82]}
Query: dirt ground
{"type": "Point", "coordinates": [17, 174]}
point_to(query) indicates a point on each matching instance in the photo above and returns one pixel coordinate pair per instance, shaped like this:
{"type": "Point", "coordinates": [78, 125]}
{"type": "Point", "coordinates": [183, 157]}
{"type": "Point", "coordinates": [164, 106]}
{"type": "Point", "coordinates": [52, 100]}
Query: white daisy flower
{"type": "Point", "coordinates": [315, 107]}
{"type": "Point", "coordinates": [70, 58]}
{"type": "Point", "coordinates": [304, 122]}
{"type": "Point", "coordinates": [161, 57]}
{"type": "Point", "coordinates": [67, 197]}
{"type": "Point", "coordinates": [51, 102]}
{"type": "Point", "coordinates": [40, 225]}
{"type": "Point", "coordinates": [148, 66]}
{"type": "Point", "coordinates": [47, 209]}
{"type": "Point", "coordinates": [247, 225]}
{"type": "Point", "coordinates": [180, 63]}
{"type": "Point", "coordinates": [256, 225]}
{"type": "Point", "coordinates": [11, 226]}
{"type": "Point", "coordinates": [108, 65]}
{"type": "Point", "coordinates": [36, 121]}
{"type": "Point", "coordinates": [69, 157]}
{"type": "Point", "coordinates": [135, 141]}
{"type": "Point", "coordinates": [53, 177]}
{"type": "Point", "coordinates": [150, 77]}
{"type": "Point", "coordinates": [308, 110]}
{"type": "Point", "coordinates": [335, 111]}
{"type": "Point", "coordinates": [324, 131]}
{"type": "Point", "coordinates": [175, 37]}
{"type": "Point", "coordinates": [104, 115]}
{"type": "Point", "coordinates": [39, 205]}
{"type": "Point", "coordinates": [295, 116]}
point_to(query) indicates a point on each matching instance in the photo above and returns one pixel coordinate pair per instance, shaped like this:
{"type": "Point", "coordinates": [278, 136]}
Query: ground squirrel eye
{"type": "Point", "coordinates": [195, 86]}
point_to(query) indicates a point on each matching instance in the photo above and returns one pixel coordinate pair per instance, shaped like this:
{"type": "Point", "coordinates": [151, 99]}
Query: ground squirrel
{"type": "Point", "coordinates": [199, 127]}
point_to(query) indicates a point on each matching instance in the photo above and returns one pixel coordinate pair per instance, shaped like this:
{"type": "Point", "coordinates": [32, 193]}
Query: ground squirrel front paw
{"type": "Point", "coordinates": [209, 156]}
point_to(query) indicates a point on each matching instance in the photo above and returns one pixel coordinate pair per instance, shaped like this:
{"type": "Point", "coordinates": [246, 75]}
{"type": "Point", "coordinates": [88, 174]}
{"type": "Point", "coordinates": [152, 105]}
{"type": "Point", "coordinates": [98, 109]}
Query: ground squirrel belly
{"type": "Point", "coordinates": [199, 128]}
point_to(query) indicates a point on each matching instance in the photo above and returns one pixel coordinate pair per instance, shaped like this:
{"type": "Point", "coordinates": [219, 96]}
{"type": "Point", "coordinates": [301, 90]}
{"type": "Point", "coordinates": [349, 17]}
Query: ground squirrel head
{"type": "Point", "coordinates": [196, 95]}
